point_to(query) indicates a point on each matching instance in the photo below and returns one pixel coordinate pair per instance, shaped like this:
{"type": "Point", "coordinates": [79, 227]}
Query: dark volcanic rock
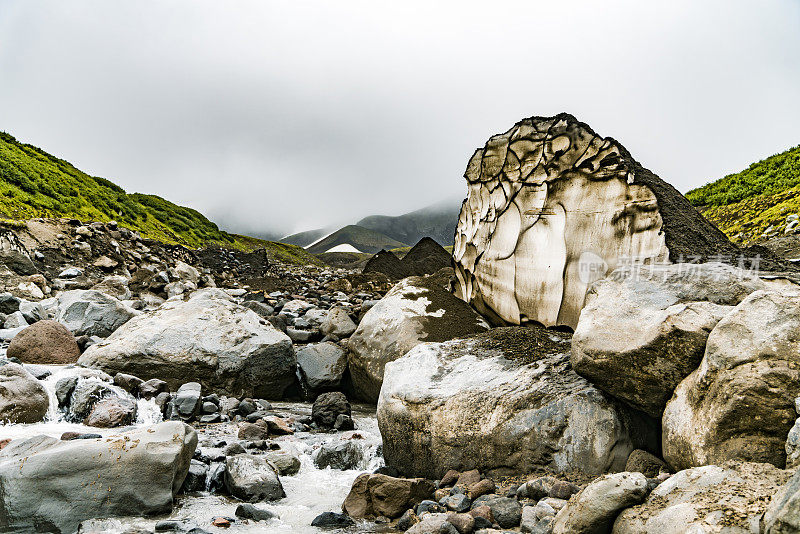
{"type": "Point", "coordinates": [387, 263]}
{"type": "Point", "coordinates": [426, 257]}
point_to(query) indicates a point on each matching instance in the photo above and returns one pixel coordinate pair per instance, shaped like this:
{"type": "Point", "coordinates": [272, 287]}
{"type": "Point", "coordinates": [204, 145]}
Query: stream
{"type": "Point", "coordinates": [309, 493]}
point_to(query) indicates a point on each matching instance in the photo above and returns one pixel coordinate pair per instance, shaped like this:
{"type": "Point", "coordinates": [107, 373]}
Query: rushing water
{"type": "Point", "coordinates": [309, 493]}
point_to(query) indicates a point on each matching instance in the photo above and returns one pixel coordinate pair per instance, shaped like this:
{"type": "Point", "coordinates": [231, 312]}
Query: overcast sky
{"type": "Point", "coordinates": [289, 115]}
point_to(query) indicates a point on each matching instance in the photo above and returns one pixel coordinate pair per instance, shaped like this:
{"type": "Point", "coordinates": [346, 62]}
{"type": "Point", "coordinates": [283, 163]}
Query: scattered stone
{"type": "Point", "coordinates": [597, 505]}
{"type": "Point", "coordinates": [252, 479]}
{"type": "Point", "coordinates": [328, 520]}
{"type": "Point", "coordinates": [22, 398]}
{"type": "Point", "coordinates": [248, 511]}
{"type": "Point", "coordinates": [327, 407]}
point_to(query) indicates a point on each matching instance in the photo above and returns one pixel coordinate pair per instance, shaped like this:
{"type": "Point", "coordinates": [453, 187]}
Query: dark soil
{"type": "Point", "coordinates": [524, 344]}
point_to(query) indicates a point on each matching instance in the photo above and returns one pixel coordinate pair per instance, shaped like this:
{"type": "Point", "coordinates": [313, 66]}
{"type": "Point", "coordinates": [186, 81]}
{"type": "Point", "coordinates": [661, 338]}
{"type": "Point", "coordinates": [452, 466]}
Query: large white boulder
{"type": "Point", "coordinates": [644, 330]}
{"type": "Point", "coordinates": [51, 485]}
{"type": "Point", "coordinates": [208, 339]}
{"type": "Point", "coordinates": [740, 402]}
{"type": "Point", "coordinates": [416, 310]}
{"type": "Point", "coordinates": [92, 313]}
{"type": "Point", "coordinates": [503, 402]}
{"type": "Point", "coordinates": [552, 207]}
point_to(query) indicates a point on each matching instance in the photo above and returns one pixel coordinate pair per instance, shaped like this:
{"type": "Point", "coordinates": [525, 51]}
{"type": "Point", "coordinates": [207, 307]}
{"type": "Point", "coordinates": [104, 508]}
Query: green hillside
{"type": "Point", "coordinates": [756, 200]}
{"type": "Point", "coordinates": [34, 183]}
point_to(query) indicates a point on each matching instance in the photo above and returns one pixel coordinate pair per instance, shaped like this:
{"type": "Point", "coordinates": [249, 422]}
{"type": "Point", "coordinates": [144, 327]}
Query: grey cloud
{"type": "Point", "coordinates": [289, 115]}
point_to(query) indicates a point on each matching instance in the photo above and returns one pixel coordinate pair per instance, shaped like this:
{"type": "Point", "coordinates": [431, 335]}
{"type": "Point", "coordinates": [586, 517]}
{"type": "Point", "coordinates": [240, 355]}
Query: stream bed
{"type": "Point", "coordinates": [310, 492]}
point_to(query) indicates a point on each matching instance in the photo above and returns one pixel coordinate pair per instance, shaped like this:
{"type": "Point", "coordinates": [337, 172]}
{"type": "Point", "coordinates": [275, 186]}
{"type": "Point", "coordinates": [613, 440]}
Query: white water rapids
{"type": "Point", "coordinates": [309, 493]}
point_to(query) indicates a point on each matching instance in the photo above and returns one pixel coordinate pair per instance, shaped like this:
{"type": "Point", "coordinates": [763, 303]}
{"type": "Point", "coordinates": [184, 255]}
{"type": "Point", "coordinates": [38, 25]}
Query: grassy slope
{"type": "Point", "coordinates": [34, 183]}
{"type": "Point", "coordinates": [745, 204]}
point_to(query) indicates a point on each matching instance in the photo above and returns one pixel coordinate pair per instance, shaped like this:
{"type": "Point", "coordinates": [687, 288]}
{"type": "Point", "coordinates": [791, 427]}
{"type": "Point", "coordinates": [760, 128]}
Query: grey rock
{"type": "Point", "coordinates": [327, 407]}
{"type": "Point", "coordinates": [740, 402]}
{"type": "Point", "coordinates": [125, 479]}
{"type": "Point", "coordinates": [597, 505]}
{"type": "Point", "coordinates": [322, 364]}
{"type": "Point", "coordinates": [208, 339]}
{"type": "Point", "coordinates": [22, 398]}
{"type": "Point", "coordinates": [252, 479]}
{"type": "Point", "coordinates": [433, 412]}
{"type": "Point", "coordinates": [187, 400]}
{"type": "Point", "coordinates": [248, 511]}
{"type": "Point", "coordinates": [338, 323]}
{"type": "Point", "coordinates": [196, 477]}
{"type": "Point", "coordinates": [725, 498]}
{"type": "Point", "coordinates": [89, 312]}
{"type": "Point", "coordinates": [343, 455]}
{"type": "Point", "coordinates": [287, 463]}
{"type": "Point", "coordinates": [414, 311]}
{"type": "Point", "coordinates": [783, 513]}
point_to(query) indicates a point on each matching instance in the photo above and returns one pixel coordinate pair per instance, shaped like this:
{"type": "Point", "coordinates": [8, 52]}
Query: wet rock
{"type": "Point", "coordinates": [129, 383]}
{"type": "Point", "coordinates": [91, 313]}
{"type": "Point", "coordinates": [253, 431]}
{"type": "Point", "coordinates": [344, 422]}
{"type": "Point", "coordinates": [22, 397]}
{"type": "Point", "coordinates": [328, 520]}
{"type": "Point", "coordinates": [327, 407]}
{"type": "Point", "coordinates": [196, 477]}
{"type": "Point", "coordinates": [416, 310]}
{"type": "Point", "coordinates": [84, 397]}
{"type": "Point", "coordinates": [64, 388]}
{"type": "Point", "coordinates": [278, 426]}
{"type": "Point", "coordinates": [343, 455]}
{"type": "Point", "coordinates": [208, 339]}
{"type": "Point", "coordinates": [729, 497]}
{"type": "Point", "coordinates": [248, 511]}
{"type": "Point", "coordinates": [111, 412]}
{"type": "Point", "coordinates": [187, 400]}
{"type": "Point", "coordinates": [322, 364]}
{"type": "Point", "coordinates": [287, 463]}
{"type": "Point", "coordinates": [740, 402]}
{"type": "Point", "coordinates": [407, 520]}
{"type": "Point", "coordinates": [597, 505]}
{"type": "Point", "coordinates": [251, 478]}
{"type": "Point", "coordinates": [126, 479]}
{"type": "Point", "coordinates": [152, 388]}
{"type": "Point", "coordinates": [381, 495]}
{"type": "Point", "coordinates": [506, 400]}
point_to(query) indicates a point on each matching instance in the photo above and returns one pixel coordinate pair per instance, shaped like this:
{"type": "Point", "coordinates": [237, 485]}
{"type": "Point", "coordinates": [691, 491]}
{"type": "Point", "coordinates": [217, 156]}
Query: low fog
{"type": "Point", "coordinates": [285, 116]}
